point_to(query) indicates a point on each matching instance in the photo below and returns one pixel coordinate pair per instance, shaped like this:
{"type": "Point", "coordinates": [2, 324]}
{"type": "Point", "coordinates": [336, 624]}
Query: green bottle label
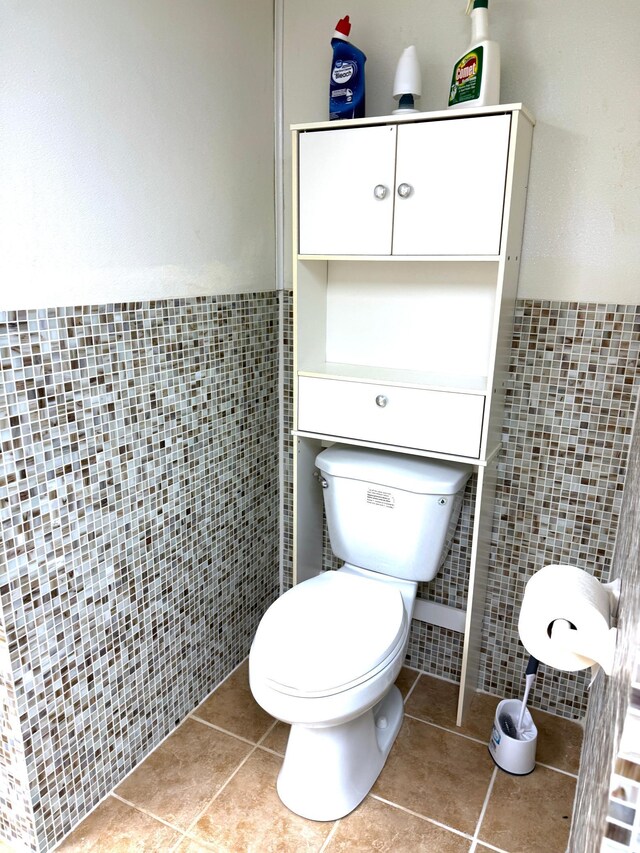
{"type": "Point", "coordinates": [467, 78]}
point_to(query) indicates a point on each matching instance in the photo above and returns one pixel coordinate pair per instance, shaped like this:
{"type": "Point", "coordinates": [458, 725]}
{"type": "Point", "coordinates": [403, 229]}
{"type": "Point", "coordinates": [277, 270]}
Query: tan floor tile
{"type": "Point", "coordinates": [248, 814]}
{"type": "Point", "coordinates": [277, 737]}
{"type": "Point", "coordinates": [378, 826]}
{"type": "Point", "coordinates": [180, 777]}
{"type": "Point", "coordinates": [437, 774]}
{"type": "Point", "coordinates": [406, 679]}
{"type": "Point", "coordinates": [559, 741]}
{"type": "Point", "coordinates": [117, 827]}
{"type": "Point", "coordinates": [529, 814]}
{"type": "Point", "coordinates": [436, 701]}
{"type": "Point", "coordinates": [232, 707]}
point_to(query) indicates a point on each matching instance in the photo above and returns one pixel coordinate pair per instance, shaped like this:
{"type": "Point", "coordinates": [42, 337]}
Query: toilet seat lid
{"type": "Point", "coordinates": [329, 633]}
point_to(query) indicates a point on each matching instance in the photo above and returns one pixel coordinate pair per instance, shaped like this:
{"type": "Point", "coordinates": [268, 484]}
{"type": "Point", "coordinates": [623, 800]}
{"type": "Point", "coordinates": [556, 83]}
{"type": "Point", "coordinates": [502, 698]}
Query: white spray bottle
{"type": "Point", "coordinates": [476, 75]}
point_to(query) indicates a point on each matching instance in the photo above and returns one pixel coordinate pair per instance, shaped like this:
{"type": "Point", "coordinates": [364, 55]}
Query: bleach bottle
{"type": "Point", "coordinates": [346, 89]}
{"type": "Point", "coordinates": [476, 75]}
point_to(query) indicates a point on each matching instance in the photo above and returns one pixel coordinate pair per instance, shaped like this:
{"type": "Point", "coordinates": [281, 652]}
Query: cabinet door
{"type": "Point", "coordinates": [340, 210]}
{"type": "Point", "coordinates": [456, 171]}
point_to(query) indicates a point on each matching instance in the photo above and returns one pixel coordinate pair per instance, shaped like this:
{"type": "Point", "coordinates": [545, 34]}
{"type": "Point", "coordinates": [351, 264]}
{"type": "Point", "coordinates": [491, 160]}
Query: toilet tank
{"type": "Point", "coordinates": [391, 512]}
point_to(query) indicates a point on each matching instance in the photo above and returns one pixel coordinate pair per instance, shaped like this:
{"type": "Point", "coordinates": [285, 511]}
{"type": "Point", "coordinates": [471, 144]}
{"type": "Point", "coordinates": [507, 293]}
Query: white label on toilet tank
{"type": "Point", "coordinates": [379, 498]}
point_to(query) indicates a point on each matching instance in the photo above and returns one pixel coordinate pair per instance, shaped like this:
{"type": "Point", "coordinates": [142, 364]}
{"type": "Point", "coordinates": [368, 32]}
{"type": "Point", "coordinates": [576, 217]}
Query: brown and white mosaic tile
{"type": "Point", "coordinates": [138, 503]}
{"type": "Point", "coordinates": [571, 398]}
{"type": "Point", "coordinates": [139, 509]}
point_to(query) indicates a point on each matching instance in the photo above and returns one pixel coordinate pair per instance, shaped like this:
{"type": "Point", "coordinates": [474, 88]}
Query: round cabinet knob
{"type": "Point", "coordinates": [380, 191]}
{"type": "Point", "coordinates": [381, 401]}
{"type": "Point", "coordinates": [404, 190]}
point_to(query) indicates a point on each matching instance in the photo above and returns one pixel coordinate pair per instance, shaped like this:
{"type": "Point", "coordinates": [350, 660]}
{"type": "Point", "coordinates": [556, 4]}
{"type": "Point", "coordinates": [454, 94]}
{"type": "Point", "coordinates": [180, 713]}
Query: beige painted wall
{"type": "Point", "coordinates": [571, 63]}
{"type": "Point", "coordinates": [136, 149]}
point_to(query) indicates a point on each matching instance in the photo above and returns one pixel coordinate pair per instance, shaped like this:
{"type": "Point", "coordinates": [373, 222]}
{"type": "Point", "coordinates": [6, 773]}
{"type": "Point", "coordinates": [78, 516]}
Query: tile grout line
{"type": "Point", "coordinates": [195, 820]}
{"type": "Point", "coordinates": [255, 745]}
{"type": "Point", "coordinates": [422, 817]}
{"type": "Point", "coordinates": [485, 804]}
{"type": "Point", "coordinates": [557, 770]}
{"type": "Point", "coordinates": [445, 729]}
{"type": "Point", "coordinates": [411, 689]}
{"type": "Point", "coordinates": [147, 813]}
{"type": "Point", "coordinates": [483, 742]}
{"type": "Point", "coordinates": [488, 845]}
{"type": "Point", "coordinates": [230, 734]}
{"type": "Point", "coordinates": [329, 837]}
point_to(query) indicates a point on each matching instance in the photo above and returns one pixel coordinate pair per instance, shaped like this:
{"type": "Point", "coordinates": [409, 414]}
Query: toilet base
{"type": "Point", "coordinates": [327, 772]}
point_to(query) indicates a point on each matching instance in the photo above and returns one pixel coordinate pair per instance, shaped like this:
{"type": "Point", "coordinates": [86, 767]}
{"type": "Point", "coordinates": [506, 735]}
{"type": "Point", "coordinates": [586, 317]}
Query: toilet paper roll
{"type": "Point", "coordinates": [565, 619]}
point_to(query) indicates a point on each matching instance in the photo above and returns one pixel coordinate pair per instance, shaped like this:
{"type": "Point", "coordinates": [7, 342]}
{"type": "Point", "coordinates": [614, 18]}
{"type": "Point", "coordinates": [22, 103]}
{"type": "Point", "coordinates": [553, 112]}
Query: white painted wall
{"type": "Point", "coordinates": [136, 149]}
{"type": "Point", "coordinates": [571, 63]}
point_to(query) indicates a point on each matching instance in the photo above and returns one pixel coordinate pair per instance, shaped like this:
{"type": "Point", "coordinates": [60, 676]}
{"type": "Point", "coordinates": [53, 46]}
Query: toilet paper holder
{"type": "Point", "coordinates": [568, 619]}
{"type": "Point", "coordinates": [564, 633]}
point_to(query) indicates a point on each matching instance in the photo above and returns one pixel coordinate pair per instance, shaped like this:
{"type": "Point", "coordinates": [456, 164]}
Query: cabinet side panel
{"type": "Point", "coordinates": [310, 314]}
{"type": "Point", "coordinates": [480, 554]}
{"type": "Point", "coordinates": [515, 203]}
{"type": "Point", "coordinates": [307, 511]}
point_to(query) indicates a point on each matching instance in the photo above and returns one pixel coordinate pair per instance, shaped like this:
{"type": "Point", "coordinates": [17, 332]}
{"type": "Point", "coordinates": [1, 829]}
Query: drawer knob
{"type": "Point", "coordinates": [381, 401]}
{"type": "Point", "coordinates": [380, 191]}
{"type": "Point", "coordinates": [405, 190]}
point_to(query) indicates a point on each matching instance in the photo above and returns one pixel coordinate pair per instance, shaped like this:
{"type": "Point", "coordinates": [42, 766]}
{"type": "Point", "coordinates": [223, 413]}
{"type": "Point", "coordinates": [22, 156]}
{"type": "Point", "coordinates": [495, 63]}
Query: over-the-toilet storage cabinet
{"type": "Point", "coordinates": [407, 236]}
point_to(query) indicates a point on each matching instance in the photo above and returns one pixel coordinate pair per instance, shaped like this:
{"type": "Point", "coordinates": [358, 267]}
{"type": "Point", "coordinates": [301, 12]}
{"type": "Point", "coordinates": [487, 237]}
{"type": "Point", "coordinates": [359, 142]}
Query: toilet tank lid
{"type": "Point", "coordinates": [396, 470]}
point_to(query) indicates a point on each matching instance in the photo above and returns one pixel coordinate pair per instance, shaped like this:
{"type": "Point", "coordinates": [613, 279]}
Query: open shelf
{"type": "Point", "coordinates": [394, 376]}
{"type": "Point", "coordinates": [445, 259]}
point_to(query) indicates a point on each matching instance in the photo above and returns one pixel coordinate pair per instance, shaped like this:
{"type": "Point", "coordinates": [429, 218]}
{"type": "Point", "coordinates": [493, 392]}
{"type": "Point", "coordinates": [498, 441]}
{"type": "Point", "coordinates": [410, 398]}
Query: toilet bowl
{"type": "Point", "coordinates": [334, 685]}
{"type": "Point", "coordinates": [327, 652]}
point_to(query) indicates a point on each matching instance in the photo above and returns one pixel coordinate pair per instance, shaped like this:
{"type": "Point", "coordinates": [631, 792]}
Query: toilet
{"type": "Point", "coordinates": [327, 653]}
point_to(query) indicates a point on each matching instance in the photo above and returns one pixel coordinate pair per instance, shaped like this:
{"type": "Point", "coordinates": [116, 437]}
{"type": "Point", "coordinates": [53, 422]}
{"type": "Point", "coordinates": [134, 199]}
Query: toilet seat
{"type": "Point", "coordinates": [329, 634]}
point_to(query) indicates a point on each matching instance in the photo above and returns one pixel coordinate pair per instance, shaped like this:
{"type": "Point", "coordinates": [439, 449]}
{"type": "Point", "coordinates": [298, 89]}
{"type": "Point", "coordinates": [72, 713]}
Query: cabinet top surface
{"type": "Point", "coordinates": [497, 109]}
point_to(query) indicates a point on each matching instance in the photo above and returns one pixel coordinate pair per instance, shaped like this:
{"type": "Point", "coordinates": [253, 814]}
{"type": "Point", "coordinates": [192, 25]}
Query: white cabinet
{"type": "Point", "coordinates": [407, 236]}
{"type": "Point", "coordinates": [425, 188]}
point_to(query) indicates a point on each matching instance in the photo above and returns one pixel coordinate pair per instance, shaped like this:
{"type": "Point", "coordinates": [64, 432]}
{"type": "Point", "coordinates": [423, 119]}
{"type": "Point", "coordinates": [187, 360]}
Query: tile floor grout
{"type": "Point", "coordinates": [223, 731]}
{"type": "Point", "coordinates": [187, 835]}
{"type": "Point", "coordinates": [220, 789]}
{"type": "Point", "coordinates": [473, 839]}
{"type": "Point", "coordinates": [146, 812]}
{"type": "Point", "coordinates": [431, 820]}
{"type": "Point", "coordinates": [198, 719]}
{"type": "Point", "coordinates": [188, 832]}
{"type": "Point", "coordinates": [329, 837]}
{"type": "Point", "coordinates": [485, 805]}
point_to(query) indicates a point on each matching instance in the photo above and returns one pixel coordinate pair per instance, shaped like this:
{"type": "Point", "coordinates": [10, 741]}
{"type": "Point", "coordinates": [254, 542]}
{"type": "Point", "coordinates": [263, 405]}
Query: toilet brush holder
{"type": "Point", "coordinates": [513, 749]}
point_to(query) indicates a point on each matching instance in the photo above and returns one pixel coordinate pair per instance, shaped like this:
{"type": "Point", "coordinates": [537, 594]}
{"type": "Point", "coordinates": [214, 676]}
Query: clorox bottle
{"type": "Point", "coordinates": [476, 75]}
{"type": "Point", "coordinates": [346, 89]}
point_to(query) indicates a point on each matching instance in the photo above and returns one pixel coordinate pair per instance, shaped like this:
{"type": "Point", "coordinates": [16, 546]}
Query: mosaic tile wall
{"type": "Point", "coordinates": [139, 506]}
{"type": "Point", "coordinates": [607, 806]}
{"type": "Point", "coordinates": [571, 396]}
{"type": "Point", "coordinates": [572, 390]}
{"type": "Point", "coordinates": [16, 814]}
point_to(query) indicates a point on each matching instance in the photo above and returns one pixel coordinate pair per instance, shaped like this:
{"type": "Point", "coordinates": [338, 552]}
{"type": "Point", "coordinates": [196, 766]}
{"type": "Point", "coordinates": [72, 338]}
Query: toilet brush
{"type": "Point", "coordinates": [512, 744]}
{"type": "Point", "coordinates": [530, 677]}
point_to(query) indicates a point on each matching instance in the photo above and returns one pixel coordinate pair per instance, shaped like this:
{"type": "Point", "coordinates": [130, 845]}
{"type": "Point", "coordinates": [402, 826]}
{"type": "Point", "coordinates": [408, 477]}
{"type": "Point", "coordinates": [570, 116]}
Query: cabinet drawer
{"type": "Point", "coordinates": [441, 421]}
